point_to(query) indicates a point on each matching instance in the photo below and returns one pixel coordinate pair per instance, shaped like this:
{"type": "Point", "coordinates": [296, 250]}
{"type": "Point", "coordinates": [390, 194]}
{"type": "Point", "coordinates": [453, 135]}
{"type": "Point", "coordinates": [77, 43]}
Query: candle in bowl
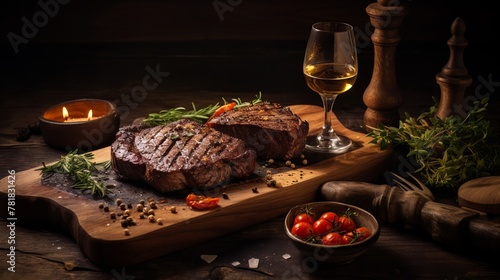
{"type": "Point", "coordinates": [67, 118]}
{"type": "Point", "coordinates": [83, 124]}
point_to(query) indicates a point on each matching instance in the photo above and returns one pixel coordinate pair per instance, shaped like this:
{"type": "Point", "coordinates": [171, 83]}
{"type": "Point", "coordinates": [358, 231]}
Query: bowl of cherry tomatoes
{"type": "Point", "coordinates": [331, 232]}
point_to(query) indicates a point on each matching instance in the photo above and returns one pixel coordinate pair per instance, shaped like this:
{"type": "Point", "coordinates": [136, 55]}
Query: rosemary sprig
{"type": "Point", "coordinates": [448, 152]}
{"type": "Point", "coordinates": [82, 170]}
{"type": "Point", "coordinates": [199, 115]}
{"type": "Point", "coordinates": [241, 104]}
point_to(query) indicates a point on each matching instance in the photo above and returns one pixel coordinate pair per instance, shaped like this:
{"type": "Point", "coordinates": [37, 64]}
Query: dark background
{"type": "Point", "coordinates": [146, 21]}
{"type": "Point", "coordinates": [101, 48]}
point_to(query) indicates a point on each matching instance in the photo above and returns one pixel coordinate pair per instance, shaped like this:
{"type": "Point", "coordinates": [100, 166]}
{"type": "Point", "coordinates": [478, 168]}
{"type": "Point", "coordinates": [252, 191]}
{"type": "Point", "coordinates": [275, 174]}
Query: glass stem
{"type": "Point", "coordinates": [328, 133]}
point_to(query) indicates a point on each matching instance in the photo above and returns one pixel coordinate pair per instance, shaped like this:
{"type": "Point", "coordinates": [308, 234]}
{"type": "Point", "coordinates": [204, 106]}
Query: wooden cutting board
{"type": "Point", "coordinates": [103, 240]}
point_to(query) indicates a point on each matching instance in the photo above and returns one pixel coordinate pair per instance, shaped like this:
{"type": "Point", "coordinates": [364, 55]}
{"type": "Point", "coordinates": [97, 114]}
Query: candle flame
{"type": "Point", "coordinates": [66, 117]}
{"type": "Point", "coordinates": [65, 113]}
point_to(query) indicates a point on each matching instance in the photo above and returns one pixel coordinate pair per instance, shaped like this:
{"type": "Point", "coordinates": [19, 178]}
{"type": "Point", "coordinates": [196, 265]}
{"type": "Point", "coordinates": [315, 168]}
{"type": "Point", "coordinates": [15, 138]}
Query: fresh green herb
{"type": "Point", "coordinates": [175, 136]}
{"type": "Point", "coordinates": [82, 170]}
{"type": "Point", "coordinates": [449, 152]}
{"type": "Point", "coordinates": [199, 115]}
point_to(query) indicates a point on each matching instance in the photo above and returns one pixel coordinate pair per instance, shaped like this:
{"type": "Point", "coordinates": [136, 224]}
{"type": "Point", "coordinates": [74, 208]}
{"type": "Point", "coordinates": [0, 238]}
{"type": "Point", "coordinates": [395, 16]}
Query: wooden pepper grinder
{"type": "Point", "coordinates": [383, 95]}
{"type": "Point", "coordinates": [454, 78]}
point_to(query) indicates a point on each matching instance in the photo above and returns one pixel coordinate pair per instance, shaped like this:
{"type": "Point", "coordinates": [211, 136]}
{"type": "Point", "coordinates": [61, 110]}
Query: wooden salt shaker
{"type": "Point", "coordinates": [454, 78]}
{"type": "Point", "coordinates": [383, 95]}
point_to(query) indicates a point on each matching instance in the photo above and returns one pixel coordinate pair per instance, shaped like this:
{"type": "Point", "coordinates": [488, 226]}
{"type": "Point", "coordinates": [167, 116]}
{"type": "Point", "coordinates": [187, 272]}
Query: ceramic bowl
{"type": "Point", "coordinates": [80, 133]}
{"type": "Point", "coordinates": [334, 254]}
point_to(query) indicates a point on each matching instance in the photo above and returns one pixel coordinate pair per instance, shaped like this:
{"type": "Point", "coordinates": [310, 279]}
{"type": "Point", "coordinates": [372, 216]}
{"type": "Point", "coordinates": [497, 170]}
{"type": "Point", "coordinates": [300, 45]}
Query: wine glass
{"type": "Point", "coordinates": [330, 68]}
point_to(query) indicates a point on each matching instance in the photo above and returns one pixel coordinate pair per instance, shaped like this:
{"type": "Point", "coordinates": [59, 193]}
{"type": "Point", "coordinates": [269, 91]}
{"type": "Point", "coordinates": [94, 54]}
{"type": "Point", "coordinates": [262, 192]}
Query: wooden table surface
{"type": "Point", "coordinates": [204, 75]}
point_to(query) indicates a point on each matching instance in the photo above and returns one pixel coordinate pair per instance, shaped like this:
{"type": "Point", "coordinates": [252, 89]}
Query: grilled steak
{"type": "Point", "coordinates": [272, 130]}
{"type": "Point", "coordinates": [179, 155]}
{"type": "Point", "coordinates": [125, 158]}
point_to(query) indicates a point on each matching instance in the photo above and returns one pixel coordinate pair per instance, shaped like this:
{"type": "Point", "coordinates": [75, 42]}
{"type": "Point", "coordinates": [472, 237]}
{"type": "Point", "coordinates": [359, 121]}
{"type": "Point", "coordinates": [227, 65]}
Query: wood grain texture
{"type": "Point", "coordinates": [481, 194]}
{"type": "Point", "coordinates": [104, 242]}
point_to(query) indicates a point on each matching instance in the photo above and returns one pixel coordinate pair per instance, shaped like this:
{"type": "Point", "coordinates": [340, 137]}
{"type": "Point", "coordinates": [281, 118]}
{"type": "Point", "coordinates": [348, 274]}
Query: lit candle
{"type": "Point", "coordinates": [83, 124]}
{"type": "Point", "coordinates": [67, 118]}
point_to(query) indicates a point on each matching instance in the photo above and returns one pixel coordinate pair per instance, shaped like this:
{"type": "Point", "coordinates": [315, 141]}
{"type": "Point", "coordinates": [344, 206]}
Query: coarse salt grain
{"type": "Point", "coordinates": [253, 263]}
{"type": "Point", "coordinates": [286, 256]}
{"type": "Point", "coordinates": [235, 263]}
{"type": "Point", "coordinates": [208, 258]}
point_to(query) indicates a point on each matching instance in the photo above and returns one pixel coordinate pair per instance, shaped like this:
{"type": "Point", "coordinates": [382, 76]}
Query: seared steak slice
{"type": "Point", "coordinates": [186, 154]}
{"type": "Point", "coordinates": [271, 129]}
{"type": "Point", "coordinates": [125, 158]}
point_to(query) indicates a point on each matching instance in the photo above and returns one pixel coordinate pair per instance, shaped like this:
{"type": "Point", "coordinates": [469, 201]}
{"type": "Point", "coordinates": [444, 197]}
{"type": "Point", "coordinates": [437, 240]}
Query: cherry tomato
{"type": "Point", "coordinates": [302, 230]}
{"type": "Point", "coordinates": [200, 202]}
{"type": "Point", "coordinates": [348, 237]}
{"type": "Point", "coordinates": [346, 224]}
{"type": "Point", "coordinates": [333, 238]}
{"type": "Point", "coordinates": [362, 233]}
{"type": "Point", "coordinates": [304, 217]}
{"type": "Point", "coordinates": [331, 217]}
{"type": "Point", "coordinates": [357, 235]}
{"type": "Point", "coordinates": [222, 109]}
{"type": "Point", "coordinates": [322, 226]}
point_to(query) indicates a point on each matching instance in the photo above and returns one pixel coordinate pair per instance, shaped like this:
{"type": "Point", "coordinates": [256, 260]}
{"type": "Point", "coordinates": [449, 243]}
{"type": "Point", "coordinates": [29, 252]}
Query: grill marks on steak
{"type": "Point", "coordinates": [271, 129]}
{"type": "Point", "coordinates": [125, 157]}
{"type": "Point", "coordinates": [182, 154]}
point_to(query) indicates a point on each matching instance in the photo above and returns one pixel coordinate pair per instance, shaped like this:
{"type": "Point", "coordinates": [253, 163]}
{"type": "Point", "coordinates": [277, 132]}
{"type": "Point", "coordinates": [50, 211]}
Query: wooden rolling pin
{"type": "Point", "coordinates": [454, 227]}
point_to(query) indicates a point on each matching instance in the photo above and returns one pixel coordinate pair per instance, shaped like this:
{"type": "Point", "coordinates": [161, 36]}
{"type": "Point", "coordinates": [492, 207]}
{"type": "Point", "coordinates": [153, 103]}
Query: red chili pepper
{"type": "Point", "coordinates": [200, 202]}
{"type": "Point", "coordinates": [222, 109]}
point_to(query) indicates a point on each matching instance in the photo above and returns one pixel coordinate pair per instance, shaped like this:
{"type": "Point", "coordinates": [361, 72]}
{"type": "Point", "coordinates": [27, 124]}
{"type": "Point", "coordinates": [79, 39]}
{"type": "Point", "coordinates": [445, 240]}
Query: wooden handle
{"type": "Point", "coordinates": [453, 227]}
{"type": "Point", "coordinates": [388, 204]}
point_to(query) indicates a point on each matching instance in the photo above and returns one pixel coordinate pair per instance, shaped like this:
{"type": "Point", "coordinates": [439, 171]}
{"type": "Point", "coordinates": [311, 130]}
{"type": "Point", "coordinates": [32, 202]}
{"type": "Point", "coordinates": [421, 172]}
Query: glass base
{"type": "Point", "coordinates": [337, 145]}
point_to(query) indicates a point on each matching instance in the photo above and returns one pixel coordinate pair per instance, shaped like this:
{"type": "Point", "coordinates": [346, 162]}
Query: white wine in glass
{"type": "Point", "coordinates": [330, 68]}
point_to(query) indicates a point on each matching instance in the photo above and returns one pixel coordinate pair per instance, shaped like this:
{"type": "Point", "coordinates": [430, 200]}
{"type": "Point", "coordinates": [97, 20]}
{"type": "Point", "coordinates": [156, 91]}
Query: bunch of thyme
{"type": "Point", "coordinates": [199, 115]}
{"type": "Point", "coordinates": [449, 152]}
{"type": "Point", "coordinates": [82, 170]}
